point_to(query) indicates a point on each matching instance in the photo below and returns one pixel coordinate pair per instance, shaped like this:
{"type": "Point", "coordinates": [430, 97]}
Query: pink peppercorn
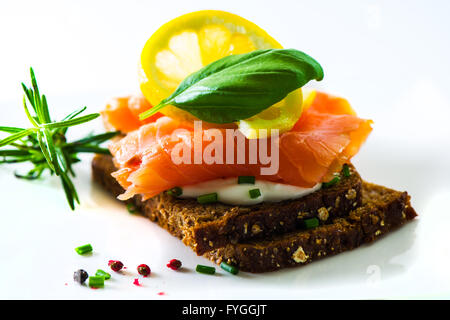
{"type": "Point", "coordinates": [115, 265]}
{"type": "Point", "coordinates": [174, 264]}
{"type": "Point", "coordinates": [144, 270]}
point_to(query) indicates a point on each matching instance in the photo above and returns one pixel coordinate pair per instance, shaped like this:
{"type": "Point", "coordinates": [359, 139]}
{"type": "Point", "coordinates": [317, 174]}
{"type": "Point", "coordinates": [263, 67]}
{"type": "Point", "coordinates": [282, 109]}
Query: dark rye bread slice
{"type": "Point", "coordinates": [382, 210]}
{"type": "Point", "coordinates": [212, 226]}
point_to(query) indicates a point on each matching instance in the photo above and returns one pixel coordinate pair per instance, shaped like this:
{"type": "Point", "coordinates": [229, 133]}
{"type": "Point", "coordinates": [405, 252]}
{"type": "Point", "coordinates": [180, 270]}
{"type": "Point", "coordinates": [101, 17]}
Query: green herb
{"type": "Point", "coordinates": [205, 269]}
{"type": "Point", "coordinates": [96, 281]}
{"type": "Point", "coordinates": [346, 170]}
{"type": "Point", "coordinates": [101, 273]}
{"type": "Point", "coordinates": [254, 193]}
{"type": "Point", "coordinates": [207, 198]}
{"type": "Point", "coordinates": [84, 249]}
{"type": "Point", "coordinates": [45, 144]}
{"type": "Point", "coordinates": [229, 268]}
{"type": "Point", "coordinates": [175, 191]}
{"type": "Point", "coordinates": [311, 223]}
{"type": "Point", "coordinates": [246, 180]}
{"type": "Point", "coordinates": [131, 208]}
{"type": "Point", "coordinates": [237, 87]}
{"type": "Point", "coordinates": [331, 183]}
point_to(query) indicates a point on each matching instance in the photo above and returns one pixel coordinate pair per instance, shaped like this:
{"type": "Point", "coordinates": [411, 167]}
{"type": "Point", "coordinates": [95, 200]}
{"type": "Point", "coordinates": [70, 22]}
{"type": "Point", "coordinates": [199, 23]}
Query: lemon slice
{"type": "Point", "coordinates": [308, 97]}
{"type": "Point", "coordinates": [282, 116]}
{"type": "Point", "coordinates": [188, 43]}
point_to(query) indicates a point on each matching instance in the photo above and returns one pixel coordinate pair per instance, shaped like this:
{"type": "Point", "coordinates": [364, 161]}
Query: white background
{"type": "Point", "coordinates": [389, 58]}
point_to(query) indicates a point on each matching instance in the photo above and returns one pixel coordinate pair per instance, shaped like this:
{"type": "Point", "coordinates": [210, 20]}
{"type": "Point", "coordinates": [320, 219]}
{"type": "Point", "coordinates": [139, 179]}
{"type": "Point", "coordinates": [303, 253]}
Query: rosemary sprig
{"type": "Point", "coordinates": [45, 145]}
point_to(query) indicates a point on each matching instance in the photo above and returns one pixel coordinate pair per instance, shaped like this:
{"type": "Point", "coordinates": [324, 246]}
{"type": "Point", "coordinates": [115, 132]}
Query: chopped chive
{"type": "Point", "coordinates": [207, 198]}
{"type": "Point", "coordinates": [84, 249]}
{"type": "Point", "coordinates": [229, 268]}
{"type": "Point", "coordinates": [311, 223]}
{"type": "Point", "coordinates": [175, 191]}
{"type": "Point", "coordinates": [254, 193]}
{"type": "Point", "coordinates": [246, 180]}
{"type": "Point", "coordinates": [205, 269]}
{"type": "Point", "coordinates": [96, 281]}
{"type": "Point", "coordinates": [346, 170]}
{"type": "Point", "coordinates": [331, 183]}
{"type": "Point", "coordinates": [131, 208]}
{"type": "Point", "coordinates": [101, 273]}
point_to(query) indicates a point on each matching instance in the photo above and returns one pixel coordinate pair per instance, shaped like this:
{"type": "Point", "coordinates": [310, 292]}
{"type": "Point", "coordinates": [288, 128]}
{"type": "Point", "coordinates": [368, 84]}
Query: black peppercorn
{"type": "Point", "coordinates": [80, 276]}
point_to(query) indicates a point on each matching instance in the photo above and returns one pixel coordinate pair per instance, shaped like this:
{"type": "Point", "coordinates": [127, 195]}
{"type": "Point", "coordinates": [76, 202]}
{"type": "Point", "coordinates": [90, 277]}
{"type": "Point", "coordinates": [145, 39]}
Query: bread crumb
{"type": "Point", "coordinates": [299, 255]}
{"type": "Point", "coordinates": [245, 227]}
{"type": "Point", "coordinates": [211, 244]}
{"type": "Point", "coordinates": [337, 202]}
{"type": "Point", "coordinates": [301, 214]}
{"type": "Point", "coordinates": [377, 233]}
{"type": "Point", "coordinates": [256, 229]}
{"type": "Point", "coordinates": [351, 194]}
{"type": "Point", "coordinates": [323, 214]}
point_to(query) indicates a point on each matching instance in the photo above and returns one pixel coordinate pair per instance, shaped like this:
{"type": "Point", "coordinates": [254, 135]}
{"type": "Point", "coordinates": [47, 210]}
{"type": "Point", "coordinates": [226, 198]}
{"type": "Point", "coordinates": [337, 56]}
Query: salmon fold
{"type": "Point", "coordinates": [166, 153]}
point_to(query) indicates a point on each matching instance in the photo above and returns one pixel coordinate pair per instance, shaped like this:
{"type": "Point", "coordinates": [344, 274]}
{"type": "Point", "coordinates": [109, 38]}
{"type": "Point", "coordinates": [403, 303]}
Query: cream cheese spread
{"type": "Point", "coordinates": [230, 192]}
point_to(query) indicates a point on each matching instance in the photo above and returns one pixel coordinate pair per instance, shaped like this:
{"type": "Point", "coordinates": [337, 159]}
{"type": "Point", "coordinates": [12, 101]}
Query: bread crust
{"type": "Point", "coordinates": [212, 226]}
{"type": "Point", "coordinates": [382, 211]}
{"type": "Point", "coordinates": [364, 212]}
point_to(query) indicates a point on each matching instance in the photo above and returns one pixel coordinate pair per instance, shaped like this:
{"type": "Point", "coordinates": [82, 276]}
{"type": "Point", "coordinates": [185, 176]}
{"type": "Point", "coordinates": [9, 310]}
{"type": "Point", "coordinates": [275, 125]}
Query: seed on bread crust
{"type": "Point", "coordinates": [256, 229]}
{"type": "Point", "coordinates": [351, 194]}
{"type": "Point", "coordinates": [323, 214]}
{"type": "Point", "coordinates": [301, 214]}
{"type": "Point", "coordinates": [299, 255]}
{"type": "Point", "coordinates": [337, 202]}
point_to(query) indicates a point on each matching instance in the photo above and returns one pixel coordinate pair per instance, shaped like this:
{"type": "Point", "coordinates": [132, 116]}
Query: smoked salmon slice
{"type": "Point", "coordinates": [327, 135]}
{"type": "Point", "coordinates": [122, 113]}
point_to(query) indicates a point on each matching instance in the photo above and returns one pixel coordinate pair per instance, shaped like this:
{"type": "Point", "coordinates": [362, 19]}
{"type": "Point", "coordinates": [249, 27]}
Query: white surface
{"type": "Point", "coordinates": [390, 59]}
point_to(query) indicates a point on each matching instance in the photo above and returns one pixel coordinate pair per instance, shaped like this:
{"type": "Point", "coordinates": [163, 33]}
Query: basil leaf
{"type": "Point", "coordinates": [237, 87]}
